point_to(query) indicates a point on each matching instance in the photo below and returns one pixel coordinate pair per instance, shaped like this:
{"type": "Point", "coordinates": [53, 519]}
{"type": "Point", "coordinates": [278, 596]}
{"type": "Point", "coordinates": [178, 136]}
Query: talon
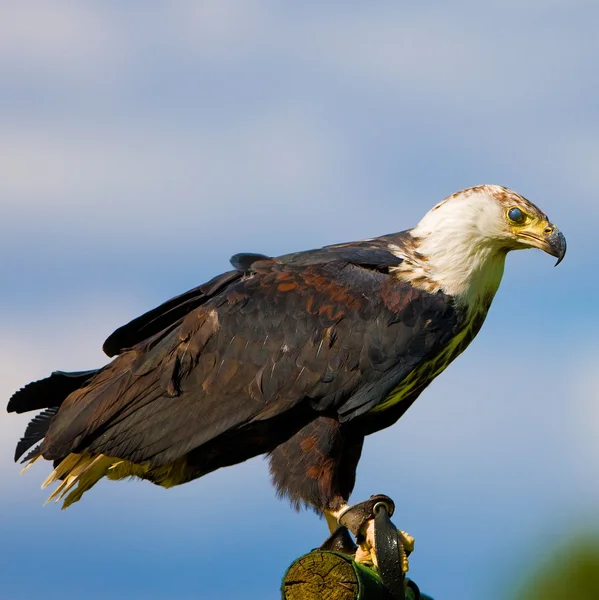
{"type": "Point", "coordinates": [366, 553]}
{"type": "Point", "coordinates": [407, 541]}
{"type": "Point", "coordinates": [405, 564]}
{"type": "Point", "coordinates": [359, 519]}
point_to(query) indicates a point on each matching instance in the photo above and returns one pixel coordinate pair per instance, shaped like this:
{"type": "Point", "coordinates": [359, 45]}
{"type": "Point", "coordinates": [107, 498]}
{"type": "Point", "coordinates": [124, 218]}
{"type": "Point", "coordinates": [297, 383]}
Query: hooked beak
{"type": "Point", "coordinates": [546, 237]}
{"type": "Point", "coordinates": [557, 245]}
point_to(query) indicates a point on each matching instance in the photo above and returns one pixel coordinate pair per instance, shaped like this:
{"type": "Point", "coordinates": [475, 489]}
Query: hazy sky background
{"type": "Point", "coordinates": [141, 147]}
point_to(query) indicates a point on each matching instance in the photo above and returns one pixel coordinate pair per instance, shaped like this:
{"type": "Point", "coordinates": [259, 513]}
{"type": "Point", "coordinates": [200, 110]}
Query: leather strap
{"type": "Point", "coordinates": [390, 553]}
{"type": "Point", "coordinates": [357, 515]}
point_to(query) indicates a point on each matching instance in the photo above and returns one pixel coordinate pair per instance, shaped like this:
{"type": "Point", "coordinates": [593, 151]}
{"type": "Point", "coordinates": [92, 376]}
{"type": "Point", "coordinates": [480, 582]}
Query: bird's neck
{"type": "Point", "coordinates": [469, 272]}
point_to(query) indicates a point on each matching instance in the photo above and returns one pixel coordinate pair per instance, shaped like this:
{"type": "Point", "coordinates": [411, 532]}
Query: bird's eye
{"type": "Point", "coordinates": [516, 215]}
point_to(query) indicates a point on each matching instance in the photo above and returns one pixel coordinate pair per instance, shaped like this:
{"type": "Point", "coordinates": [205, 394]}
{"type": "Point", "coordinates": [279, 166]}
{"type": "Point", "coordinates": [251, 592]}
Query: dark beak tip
{"type": "Point", "coordinates": [558, 243]}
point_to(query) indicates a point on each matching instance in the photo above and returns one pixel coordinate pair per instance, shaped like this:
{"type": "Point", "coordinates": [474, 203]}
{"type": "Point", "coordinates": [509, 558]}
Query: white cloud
{"type": "Point", "coordinates": [285, 150]}
{"type": "Point", "coordinates": [473, 61]}
{"type": "Point", "coordinates": [459, 57]}
{"type": "Point", "coordinates": [199, 167]}
{"type": "Point", "coordinates": [221, 33]}
{"type": "Point", "coordinates": [64, 38]}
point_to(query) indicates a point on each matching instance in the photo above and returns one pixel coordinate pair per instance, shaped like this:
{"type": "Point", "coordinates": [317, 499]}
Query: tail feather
{"type": "Point", "coordinates": [78, 473]}
{"type": "Point", "coordinates": [85, 478]}
{"type": "Point", "coordinates": [48, 394]}
{"type": "Point", "coordinates": [35, 432]}
{"type": "Point", "coordinates": [31, 458]}
{"type": "Point", "coordinates": [50, 391]}
{"type": "Point", "coordinates": [74, 473]}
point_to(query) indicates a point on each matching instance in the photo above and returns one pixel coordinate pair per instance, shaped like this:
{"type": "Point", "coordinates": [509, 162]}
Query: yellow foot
{"type": "Point", "coordinates": [366, 552]}
{"type": "Point", "coordinates": [406, 540]}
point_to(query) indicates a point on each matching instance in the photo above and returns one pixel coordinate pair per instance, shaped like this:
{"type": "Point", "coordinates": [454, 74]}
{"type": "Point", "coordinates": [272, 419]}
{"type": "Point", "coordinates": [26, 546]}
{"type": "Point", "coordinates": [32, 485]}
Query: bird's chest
{"type": "Point", "coordinates": [427, 370]}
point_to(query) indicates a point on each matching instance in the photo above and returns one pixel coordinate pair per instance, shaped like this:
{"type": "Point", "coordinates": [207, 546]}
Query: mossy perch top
{"type": "Point", "coordinates": [323, 575]}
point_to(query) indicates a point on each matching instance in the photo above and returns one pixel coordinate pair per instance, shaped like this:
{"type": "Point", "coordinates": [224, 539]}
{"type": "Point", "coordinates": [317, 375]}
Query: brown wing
{"type": "Point", "coordinates": [166, 315]}
{"type": "Point", "coordinates": [334, 335]}
{"type": "Point", "coordinates": [172, 311]}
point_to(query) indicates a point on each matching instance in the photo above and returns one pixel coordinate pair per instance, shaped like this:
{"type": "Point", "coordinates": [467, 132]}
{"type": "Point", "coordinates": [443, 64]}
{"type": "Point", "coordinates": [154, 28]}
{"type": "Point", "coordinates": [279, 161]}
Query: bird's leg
{"type": "Point", "coordinates": [359, 519]}
{"type": "Point", "coordinates": [364, 533]}
{"type": "Point", "coordinates": [332, 517]}
{"type": "Point", "coordinates": [340, 539]}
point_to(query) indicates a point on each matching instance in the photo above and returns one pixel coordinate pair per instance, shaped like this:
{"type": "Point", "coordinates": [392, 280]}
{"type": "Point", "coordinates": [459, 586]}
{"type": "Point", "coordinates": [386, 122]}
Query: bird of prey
{"type": "Point", "coordinates": [298, 357]}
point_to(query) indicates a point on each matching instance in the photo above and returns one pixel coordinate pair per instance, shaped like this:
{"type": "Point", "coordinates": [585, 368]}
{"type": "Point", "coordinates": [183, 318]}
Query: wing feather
{"type": "Point", "coordinates": [166, 315]}
{"type": "Point", "coordinates": [337, 335]}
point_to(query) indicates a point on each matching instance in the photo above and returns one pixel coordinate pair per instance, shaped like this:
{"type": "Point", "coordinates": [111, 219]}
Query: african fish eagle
{"type": "Point", "coordinates": [298, 357]}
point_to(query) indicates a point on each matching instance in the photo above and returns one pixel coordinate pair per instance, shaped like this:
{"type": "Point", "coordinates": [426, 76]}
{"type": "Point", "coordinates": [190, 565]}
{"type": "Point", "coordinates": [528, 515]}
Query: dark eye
{"type": "Point", "coordinates": [516, 215]}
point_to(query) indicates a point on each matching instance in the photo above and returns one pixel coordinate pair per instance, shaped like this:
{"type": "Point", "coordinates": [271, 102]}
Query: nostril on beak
{"type": "Point", "coordinates": [549, 230]}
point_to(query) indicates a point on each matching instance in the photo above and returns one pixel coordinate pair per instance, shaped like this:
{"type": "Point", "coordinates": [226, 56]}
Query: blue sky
{"type": "Point", "coordinates": [140, 149]}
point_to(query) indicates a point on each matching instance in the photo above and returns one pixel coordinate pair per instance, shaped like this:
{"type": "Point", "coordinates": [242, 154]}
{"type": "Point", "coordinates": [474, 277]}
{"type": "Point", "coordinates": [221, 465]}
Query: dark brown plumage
{"type": "Point", "coordinates": [283, 358]}
{"type": "Point", "coordinates": [299, 357]}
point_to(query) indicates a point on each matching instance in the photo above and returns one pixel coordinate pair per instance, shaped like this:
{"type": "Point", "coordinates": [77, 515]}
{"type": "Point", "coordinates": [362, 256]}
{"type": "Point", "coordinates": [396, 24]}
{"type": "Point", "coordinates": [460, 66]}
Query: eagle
{"type": "Point", "coordinates": [298, 357]}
